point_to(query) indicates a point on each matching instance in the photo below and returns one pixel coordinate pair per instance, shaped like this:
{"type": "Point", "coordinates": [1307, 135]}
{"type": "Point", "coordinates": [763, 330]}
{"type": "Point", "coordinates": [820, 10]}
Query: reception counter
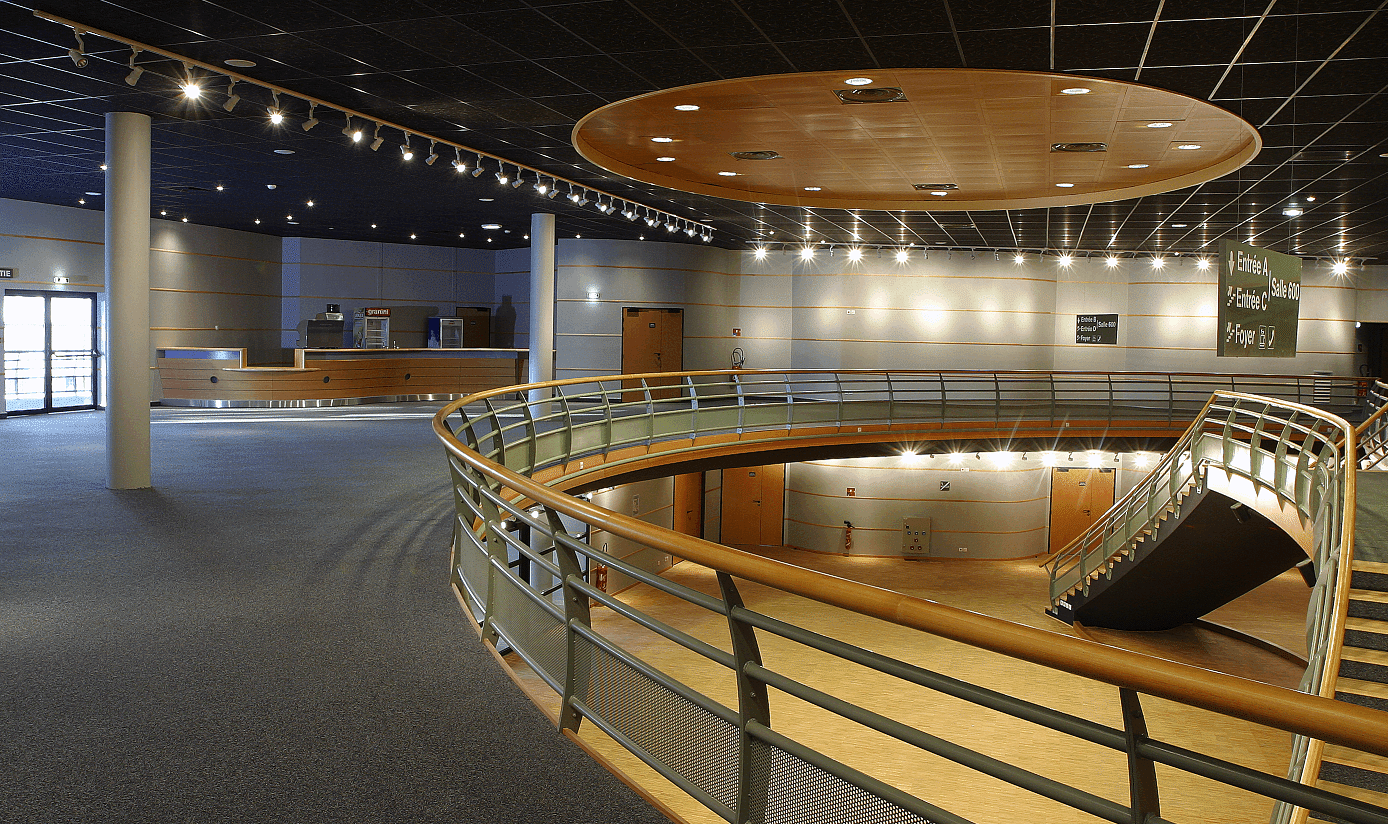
{"type": "Point", "coordinates": [214, 377]}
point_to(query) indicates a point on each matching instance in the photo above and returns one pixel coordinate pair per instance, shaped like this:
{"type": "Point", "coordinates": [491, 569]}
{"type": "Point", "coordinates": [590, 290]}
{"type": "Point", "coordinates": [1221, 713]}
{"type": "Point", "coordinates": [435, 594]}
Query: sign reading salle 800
{"type": "Point", "coordinates": [1260, 302]}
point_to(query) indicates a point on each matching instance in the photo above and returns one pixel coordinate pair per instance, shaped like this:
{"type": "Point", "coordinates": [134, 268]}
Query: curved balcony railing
{"type": "Point", "coordinates": [729, 755]}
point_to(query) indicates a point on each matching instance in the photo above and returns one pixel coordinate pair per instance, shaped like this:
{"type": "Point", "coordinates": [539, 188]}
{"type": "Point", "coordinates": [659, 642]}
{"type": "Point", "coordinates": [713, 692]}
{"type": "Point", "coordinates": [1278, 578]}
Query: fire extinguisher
{"type": "Point", "coordinates": [847, 537]}
{"type": "Point", "coordinates": [600, 576]}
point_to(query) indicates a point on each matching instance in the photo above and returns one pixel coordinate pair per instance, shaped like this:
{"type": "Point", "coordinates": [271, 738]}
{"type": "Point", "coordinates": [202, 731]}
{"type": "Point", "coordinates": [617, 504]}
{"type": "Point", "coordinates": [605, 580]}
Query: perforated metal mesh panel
{"type": "Point", "coordinates": [800, 793]}
{"type": "Point", "coordinates": [472, 568]}
{"type": "Point", "coordinates": [684, 736]}
{"type": "Point", "coordinates": [530, 627]}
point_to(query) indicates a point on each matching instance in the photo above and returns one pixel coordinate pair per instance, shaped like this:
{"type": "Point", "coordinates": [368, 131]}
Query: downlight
{"type": "Point", "coordinates": [760, 154]}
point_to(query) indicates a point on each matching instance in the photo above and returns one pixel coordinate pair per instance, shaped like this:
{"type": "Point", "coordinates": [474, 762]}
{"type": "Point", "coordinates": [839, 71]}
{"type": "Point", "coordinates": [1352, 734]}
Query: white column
{"type": "Point", "coordinates": [541, 300]}
{"type": "Point", "coordinates": [125, 335]}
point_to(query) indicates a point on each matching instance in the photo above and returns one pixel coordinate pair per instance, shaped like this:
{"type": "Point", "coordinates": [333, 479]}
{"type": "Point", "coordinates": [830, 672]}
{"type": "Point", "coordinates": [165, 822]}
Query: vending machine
{"type": "Point", "coordinates": [371, 328]}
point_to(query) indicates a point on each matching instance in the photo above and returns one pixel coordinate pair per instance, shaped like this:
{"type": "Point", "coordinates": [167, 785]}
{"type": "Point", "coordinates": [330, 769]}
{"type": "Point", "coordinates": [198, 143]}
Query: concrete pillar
{"type": "Point", "coordinates": [541, 299]}
{"type": "Point", "coordinates": [125, 334]}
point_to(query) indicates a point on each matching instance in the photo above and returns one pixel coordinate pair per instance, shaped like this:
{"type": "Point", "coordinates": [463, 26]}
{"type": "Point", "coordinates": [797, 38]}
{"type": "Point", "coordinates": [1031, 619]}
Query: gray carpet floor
{"type": "Point", "coordinates": [266, 635]}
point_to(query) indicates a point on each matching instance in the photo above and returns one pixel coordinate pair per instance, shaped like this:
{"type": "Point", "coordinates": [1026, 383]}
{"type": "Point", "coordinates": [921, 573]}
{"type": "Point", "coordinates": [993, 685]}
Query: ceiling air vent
{"type": "Point", "coordinates": [180, 187]}
{"type": "Point", "coordinates": [1079, 147]}
{"type": "Point", "coordinates": [925, 187]}
{"type": "Point", "coordinates": [764, 154]}
{"type": "Point", "coordinates": [1322, 156]}
{"type": "Point", "coordinates": [881, 94]}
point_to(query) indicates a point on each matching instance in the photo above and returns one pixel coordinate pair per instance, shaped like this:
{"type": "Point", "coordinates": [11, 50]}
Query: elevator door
{"type": "Point", "coordinates": [753, 505]}
{"type": "Point", "coordinates": [652, 341]}
{"type": "Point", "coordinates": [1079, 497]}
{"type": "Point", "coordinates": [50, 351]}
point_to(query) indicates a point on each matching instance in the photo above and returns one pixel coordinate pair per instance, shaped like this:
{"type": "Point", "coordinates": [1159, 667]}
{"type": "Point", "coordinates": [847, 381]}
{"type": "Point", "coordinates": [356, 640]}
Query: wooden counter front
{"type": "Point", "coordinates": [325, 376]}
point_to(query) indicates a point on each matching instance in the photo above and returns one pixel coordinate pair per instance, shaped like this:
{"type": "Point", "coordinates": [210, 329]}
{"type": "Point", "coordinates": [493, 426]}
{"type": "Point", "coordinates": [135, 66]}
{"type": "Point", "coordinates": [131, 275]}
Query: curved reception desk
{"type": "Point", "coordinates": [220, 378]}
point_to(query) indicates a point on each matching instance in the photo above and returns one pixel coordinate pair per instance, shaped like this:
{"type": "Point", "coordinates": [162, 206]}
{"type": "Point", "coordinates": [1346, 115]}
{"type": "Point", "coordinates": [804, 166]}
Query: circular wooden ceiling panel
{"type": "Point", "coordinates": [938, 140]}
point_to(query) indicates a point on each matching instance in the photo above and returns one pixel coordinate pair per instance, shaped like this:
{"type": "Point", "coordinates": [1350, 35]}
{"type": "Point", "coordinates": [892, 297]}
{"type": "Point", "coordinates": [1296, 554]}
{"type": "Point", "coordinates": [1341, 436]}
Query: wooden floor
{"type": "Point", "coordinates": [1012, 590]}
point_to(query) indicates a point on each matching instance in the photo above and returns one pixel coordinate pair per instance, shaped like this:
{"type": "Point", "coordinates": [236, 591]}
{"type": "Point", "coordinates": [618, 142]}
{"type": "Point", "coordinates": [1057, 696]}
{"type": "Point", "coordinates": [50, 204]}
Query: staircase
{"type": "Point", "coordinates": [1363, 673]}
{"type": "Point", "coordinates": [1203, 551]}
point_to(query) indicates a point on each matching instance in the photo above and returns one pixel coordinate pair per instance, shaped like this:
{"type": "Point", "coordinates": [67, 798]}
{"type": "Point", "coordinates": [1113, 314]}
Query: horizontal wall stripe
{"type": "Point", "coordinates": [933, 529]}
{"type": "Point", "coordinates": [212, 292]}
{"type": "Point", "coordinates": [58, 239]}
{"type": "Point", "coordinates": [50, 285]}
{"type": "Point", "coordinates": [586, 335]}
{"type": "Point", "coordinates": [274, 261]}
{"type": "Point", "coordinates": [919, 500]}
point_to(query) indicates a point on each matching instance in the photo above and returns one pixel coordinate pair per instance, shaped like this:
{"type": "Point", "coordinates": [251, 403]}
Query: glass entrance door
{"type": "Point", "coordinates": [50, 351]}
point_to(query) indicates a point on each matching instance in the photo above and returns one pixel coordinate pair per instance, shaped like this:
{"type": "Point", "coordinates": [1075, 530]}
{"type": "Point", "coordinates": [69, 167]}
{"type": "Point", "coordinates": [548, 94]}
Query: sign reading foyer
{"type": "Point", "coordinates": [1260, 302]}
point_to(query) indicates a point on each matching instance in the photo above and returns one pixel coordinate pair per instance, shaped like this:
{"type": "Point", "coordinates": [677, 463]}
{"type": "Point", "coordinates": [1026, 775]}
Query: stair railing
{"type": "Point", "coordinates": [528, 575]}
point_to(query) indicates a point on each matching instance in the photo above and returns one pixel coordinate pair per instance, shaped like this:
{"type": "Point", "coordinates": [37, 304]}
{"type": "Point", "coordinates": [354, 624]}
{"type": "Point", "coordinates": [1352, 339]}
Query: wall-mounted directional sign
{"type": "Point", "coordinates": [6, 273]}
{"type": "Point", "coordinates": [1096, 329]}
{"type": "Point", "coordinates": [1260, 302]}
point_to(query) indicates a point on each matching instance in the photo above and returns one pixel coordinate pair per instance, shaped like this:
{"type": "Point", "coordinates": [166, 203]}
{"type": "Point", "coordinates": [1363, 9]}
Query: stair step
{"type": "Point", "coordinates": [1366, 633]}
{"type": "Point", "coordinates": [1377, 567]}
{"type": "Point", "coordinates": [1366, 603]}
{"type": "Point", "coordinates": [1364, 664]}
{"type": "Point", "coordinates": [1357, 793]}
{"type": "Point", "coordinates": [1355, 758]}
{"type": "Point", "coordinates": [1369, 575]}
{"type": "Point", "coordinates": [1364, 693]}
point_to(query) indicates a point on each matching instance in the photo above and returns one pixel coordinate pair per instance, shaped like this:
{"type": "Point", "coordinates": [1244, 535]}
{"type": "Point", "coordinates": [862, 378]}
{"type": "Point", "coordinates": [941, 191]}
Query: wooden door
{"type": "Point", "coordinates": [753, 505]}
{"type": "Point", "coordinates": [652, 341]}
{"type": "Point", "coordinates": [689, 504]}
{"type": "Point", "coordinates": [1079, 497]}
{"type": "Point", "coordinates": [477, 326]}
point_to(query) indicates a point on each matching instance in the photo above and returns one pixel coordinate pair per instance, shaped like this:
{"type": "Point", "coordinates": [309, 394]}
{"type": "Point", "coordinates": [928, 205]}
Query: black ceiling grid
{"type": "Point", "coordinates": [512, 77]}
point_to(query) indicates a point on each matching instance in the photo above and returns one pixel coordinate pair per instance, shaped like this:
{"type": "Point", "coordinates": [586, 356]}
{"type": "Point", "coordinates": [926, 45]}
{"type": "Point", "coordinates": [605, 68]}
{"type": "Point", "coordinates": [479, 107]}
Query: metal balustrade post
{"type": "Point", "coordinates": [997, 399]}
{"type": "Point", "coordinates": [606, 416]}
{"type": "Point", "coordinates": [532, 446]}
{"type": "Point", "coordinates": [891, 400]}
{"type": "Point", "coordinates": [496, 548]}
{"type": "Point", "coordinates": [741, 404]}
{"type": "Point", "coordinates": [568, 423]}
{"type": "Point", "coordinates": [753, 706]}
{"type": "Point", "coordinates": [790, 402]}
{"type": "Point", "coordinates": [1051, 381]}
{"type": "Point", "coordinates": [1142, 772]}
{"type": "Point", "coordinates": [650, 413]}
{"type": "Point", "coordinates": [576, 612]}
{"type": "Point", "coordinates": [693, 406]}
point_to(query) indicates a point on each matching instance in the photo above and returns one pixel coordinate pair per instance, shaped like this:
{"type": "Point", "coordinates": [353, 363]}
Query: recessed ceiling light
{"type": "Point", "coordinates": [728, 174]}
{"type": "Point", "coordinates": [1066, 185]}
{"type": "Point", "coordinates": [1076, 90]}
{"type": "Point", "coordinates": [491, 225]}
{"type": "Point", "coordinates": [813, 189]}
{"type": "Point", "coordinates": [93, 194]}
{"type": "Point", "coordinates": [939, 193]}
{"type": "Point", "coordinates": [1291, 211]}
{"type": "Point", "coordinates": [859, 81]}
{"type": "Point", "coordinates": [486, 199]}
{"type": "Point", "coordinates": [666, 159]}
{"type": "Point", "coordinates": [239, 63]}
{"type": "Point", "coordinates": [284, 151]}
{"type": "Point", "coordinates": [1138, 165]}
{"type": "Point", "coordinates": [257, 221]}
{"type": "Point", "coordinates": [1189, 146]}
{"type": "Point", "coordinates": [1159, 125]}
{"type": "Point", "coordinates": [662, 140]}
{"type": "Point", "coordinates": [1178, 225]}
{"type": "Point", "coordinates": [686, 107]}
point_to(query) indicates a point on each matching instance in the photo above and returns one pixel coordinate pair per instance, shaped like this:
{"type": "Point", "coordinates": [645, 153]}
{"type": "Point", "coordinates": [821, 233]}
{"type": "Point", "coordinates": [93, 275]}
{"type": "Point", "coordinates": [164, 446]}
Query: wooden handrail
{"type": "Point", "coordinates": [1321, 718]}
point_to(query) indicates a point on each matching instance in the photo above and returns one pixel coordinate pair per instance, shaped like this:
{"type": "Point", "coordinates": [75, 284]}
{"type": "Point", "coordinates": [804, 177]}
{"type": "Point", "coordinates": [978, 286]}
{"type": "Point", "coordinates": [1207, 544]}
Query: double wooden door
{"type": "Point", "coordinates": [1079, 498]}
{"type": "Point", "coordinates": [652, 341]}
{"type": "Point", "coordinates": [753, 505]}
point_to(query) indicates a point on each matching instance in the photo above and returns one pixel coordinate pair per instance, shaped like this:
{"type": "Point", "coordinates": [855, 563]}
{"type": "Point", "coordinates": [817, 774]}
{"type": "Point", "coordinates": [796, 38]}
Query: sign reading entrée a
{"type": "Point", "coordinates": [1260, 302]}
{"type": "Point", "coordinates": [1096, 329]}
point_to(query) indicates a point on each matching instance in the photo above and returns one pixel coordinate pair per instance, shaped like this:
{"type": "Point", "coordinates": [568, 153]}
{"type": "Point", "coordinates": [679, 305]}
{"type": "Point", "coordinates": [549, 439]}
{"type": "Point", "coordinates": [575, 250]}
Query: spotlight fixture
{"type": "Point", "coordinates": [191, 88]}
{"type": "Point", "coordinates": [759, 253]}
{"type": "Point", "coordinates": [79, 54]}
{"type": "Point", "coordinates": [276, 116]}
{"type": "Point", "coordinates": [458, 165]}
{"type": "Point", "coordinates": [1202, 264]}
{"type": "Point", "coordinates": [807, 253]}
{"type": "Point", "coordinates": [519, 181]}
{"type": "Point", "coordinates": [1340, 267]}
{"type": "Point", "coordinates": [135, 71]}
{"type": "Point", "coordinates": [376, 143]}
{"type": "Point", "coordinates": [501, 175]}
{"type": "Point", "coordinates": [405, 151]}
{"type": "Point", "coordinates": [1019, 258]}
{"type": "Point", "coordinates": [553, 191]}
{"type": "Point", "coordinates": [855, 254]}
{"type": "Point", "coordinates": [312, 119]}
{"type": "Point", "coordinates": [901, 256]}
{"type": "Point", "coordinates": [477, 172]}
{"type": "Point", "coordinates": [1111, 261]}
{"type": "Point", "coordinates": [433, 154]}
{"type": "Point", "coordinates": [1065, 259]}
{"type": "Point", "coordinates": [232, 97]}
{"type": "Point", "coordinates": [348, 131]}
{"type": "Point", "coordinates": [583, 199]}
{"type": "Point", "coordinates": [1158, 262]}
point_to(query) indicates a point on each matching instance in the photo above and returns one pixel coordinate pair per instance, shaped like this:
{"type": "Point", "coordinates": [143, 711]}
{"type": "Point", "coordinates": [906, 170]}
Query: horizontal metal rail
{"type": "Point", "coordinates": [733, 760]}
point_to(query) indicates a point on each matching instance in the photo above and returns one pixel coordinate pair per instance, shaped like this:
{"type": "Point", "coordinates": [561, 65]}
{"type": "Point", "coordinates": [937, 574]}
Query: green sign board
{"type": "Point", "coordinates": [1260, 302]}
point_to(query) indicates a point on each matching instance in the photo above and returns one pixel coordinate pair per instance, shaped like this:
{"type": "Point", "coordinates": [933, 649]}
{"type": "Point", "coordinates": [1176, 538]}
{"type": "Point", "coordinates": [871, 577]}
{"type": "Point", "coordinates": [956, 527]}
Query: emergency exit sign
{"type": "Point", "coordinates": [6, 273]}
